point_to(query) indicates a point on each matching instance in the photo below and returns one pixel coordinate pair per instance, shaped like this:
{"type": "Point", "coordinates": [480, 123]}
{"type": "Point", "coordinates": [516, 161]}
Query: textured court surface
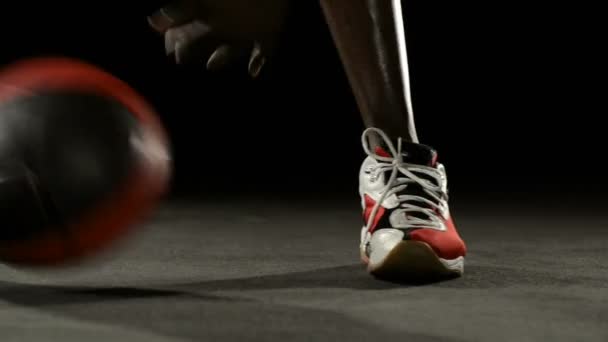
{"type": "Point", "coordinates": [281, 270]}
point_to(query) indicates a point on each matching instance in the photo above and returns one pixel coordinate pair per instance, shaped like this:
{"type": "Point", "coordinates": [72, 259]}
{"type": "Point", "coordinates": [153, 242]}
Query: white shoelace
{"type": "Point", "coordinates": [407, 203]}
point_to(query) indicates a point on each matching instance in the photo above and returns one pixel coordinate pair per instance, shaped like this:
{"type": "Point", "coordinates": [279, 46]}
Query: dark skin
{"type": "Point", "coordinates": [365, 34]}
{"type": "Point", "coordinates": [368, 35]}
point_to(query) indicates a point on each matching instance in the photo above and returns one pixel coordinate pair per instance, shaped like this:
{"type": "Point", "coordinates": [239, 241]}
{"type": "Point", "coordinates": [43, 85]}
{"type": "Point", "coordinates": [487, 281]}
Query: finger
{"type": "Point", "coordinates": [174, 14]}
{"type": "Point", "coordinates": [253, 18]}
{"type": "Point", "coordinates": [257, 61]}
{"type": "Point", "coordinates": [195, 52]}
{"type": "Point", "coordinates": [184, 35]}
{"type": "Point", "coordinates": [191, 43]}
{"type": "Point", "coordinates": [226, 55]}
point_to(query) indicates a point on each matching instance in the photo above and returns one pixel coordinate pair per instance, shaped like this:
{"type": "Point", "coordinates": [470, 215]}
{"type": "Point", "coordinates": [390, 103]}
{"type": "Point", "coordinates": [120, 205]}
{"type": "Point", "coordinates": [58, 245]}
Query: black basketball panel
{"type": "Point", "coordinates": [77, 145]}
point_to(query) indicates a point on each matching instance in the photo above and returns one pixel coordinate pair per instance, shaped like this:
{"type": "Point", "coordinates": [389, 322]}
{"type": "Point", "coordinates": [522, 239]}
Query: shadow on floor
{"type": "Point", "coordinates": [50, 295]}
{"type": "Point", "coordinates": [352, 277]}
{"type": "Point", "coordinates": [341, 277]}
{"type": "Point", "coordinates": [193, 312]}
{"type": "Point", "coordinates": [196, 311]}
{"type": "Point", "coordinates": [348, 277]}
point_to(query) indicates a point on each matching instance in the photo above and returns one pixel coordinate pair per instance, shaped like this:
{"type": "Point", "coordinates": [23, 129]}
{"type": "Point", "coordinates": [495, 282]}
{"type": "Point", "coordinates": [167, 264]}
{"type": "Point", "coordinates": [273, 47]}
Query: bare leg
{"type": "Point", "coordinates": [369, 35]}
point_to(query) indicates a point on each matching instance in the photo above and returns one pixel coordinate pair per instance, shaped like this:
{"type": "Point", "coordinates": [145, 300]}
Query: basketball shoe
{"type": "Point", "coordinates": [408, 231]}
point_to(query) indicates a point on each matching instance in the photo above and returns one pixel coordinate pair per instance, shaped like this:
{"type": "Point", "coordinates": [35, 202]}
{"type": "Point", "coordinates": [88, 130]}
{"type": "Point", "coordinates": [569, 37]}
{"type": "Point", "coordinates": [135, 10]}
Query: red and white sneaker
{"type": "Point", "coordinates": [408, 231]}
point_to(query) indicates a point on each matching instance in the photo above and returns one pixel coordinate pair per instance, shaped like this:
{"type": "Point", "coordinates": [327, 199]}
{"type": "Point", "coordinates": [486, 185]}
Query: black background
{"type": "Point", "coordinates": [500, 89]}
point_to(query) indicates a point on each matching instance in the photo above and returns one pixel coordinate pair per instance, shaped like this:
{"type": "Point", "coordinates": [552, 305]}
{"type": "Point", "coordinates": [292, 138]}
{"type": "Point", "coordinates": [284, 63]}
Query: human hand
{"type": "Point", "coordinates": [221, 32]}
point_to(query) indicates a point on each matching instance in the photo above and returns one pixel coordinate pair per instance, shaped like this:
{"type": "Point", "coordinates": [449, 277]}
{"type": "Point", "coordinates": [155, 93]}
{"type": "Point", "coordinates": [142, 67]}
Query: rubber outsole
{"type": "Point", "coordinates": [415, 260]}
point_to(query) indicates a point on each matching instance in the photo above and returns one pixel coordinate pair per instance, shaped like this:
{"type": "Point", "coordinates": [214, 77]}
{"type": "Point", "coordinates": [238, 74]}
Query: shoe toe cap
{"type": "Point", "coordinates": [382, 242]}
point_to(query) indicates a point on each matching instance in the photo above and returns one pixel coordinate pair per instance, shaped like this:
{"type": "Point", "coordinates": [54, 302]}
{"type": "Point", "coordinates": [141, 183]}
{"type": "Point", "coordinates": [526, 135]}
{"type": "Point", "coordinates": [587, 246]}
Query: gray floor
{"type": "Point", "coordinates": [279, 270]}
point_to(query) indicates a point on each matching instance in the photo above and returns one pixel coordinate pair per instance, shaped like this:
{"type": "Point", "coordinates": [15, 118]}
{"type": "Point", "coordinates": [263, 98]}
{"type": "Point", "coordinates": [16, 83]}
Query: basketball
{"type": "Point", "coordinates": [84, 160]}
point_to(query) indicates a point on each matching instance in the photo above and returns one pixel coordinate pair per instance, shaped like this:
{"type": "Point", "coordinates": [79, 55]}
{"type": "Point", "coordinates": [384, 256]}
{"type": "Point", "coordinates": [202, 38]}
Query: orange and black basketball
{"type": "Point", "coordinates": [83, 159]}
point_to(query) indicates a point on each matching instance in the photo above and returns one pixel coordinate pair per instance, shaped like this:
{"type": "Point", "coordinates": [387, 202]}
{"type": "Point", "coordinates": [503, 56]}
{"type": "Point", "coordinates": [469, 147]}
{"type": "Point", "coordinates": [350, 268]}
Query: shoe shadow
{"type": "Point", "coordinates": [191, 311]}
{"type": "Point", "coordinates": [354, 277]}
{"type": "Point", "coordinates": [345, 277]}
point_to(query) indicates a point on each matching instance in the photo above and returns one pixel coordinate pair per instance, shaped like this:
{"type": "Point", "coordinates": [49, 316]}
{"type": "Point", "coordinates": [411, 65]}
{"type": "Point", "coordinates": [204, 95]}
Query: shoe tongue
{"type": "Point", "coordinates": [420, 155]}
{"type": "Point", "coordinates": [413, 154]}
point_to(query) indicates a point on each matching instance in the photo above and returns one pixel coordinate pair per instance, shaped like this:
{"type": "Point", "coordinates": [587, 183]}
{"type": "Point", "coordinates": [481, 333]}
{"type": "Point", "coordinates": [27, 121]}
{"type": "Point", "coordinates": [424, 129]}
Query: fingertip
{"type": "Point", "coordinates": [219, 58]}
{"type": "Point", "coordinates": [160, 21]}
{"type": "Point", "coordinates": [256, 62]}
